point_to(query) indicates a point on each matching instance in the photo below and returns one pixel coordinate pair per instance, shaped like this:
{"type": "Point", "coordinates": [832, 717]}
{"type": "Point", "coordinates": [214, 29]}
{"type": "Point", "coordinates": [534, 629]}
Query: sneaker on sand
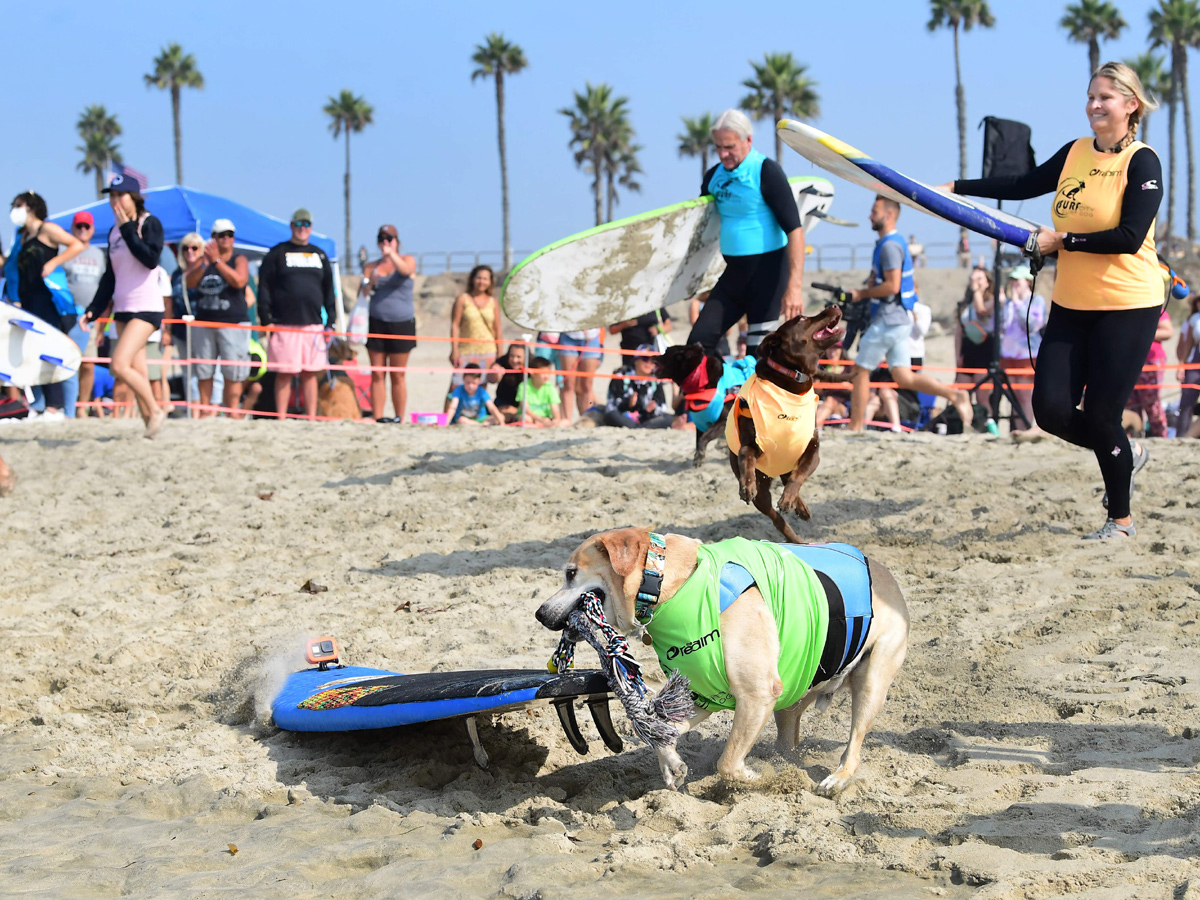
{"type": "Point", "coordinates": [1111, 529]}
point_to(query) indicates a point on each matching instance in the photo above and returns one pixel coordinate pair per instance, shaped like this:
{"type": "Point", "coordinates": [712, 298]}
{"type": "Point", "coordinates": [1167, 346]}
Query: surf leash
{"type": "Point", "coordinates": [652, 716]}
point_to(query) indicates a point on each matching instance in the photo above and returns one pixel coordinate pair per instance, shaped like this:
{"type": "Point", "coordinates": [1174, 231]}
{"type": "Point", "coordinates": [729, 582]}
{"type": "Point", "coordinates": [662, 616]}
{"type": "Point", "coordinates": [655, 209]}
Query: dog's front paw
{"type": "Point", "coordinates": [674, 770]}
{"type": "Point", "coordinates": [834, 784]}
{"type": "Point", "coordinates": [698, 459]}
{"type": "Point", "coordinates": [748, 489]}
{"type": "Point", "coordinates": [795, 503]}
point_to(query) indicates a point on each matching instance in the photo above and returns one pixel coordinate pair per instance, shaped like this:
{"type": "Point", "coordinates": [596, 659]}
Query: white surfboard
{"type": "Point", "coordinates": [33, 351]}
{"type": "Point", "coordinates": [632, 266]}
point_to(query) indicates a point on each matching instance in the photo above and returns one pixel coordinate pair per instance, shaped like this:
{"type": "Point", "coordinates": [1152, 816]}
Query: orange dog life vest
{"type": "Point", "coordinates": [783, 424]}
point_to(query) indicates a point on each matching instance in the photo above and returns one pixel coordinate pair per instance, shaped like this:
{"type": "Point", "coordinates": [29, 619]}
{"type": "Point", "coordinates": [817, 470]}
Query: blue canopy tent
{"type": "Point", "coordinates": [183, 210]}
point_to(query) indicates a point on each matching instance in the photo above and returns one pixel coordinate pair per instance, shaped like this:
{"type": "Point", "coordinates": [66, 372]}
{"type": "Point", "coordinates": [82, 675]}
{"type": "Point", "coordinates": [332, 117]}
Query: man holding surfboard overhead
{"type": "Point", "coordinates": [892, 295]}
{"type": "Point", "coordinates": [1108, 294]}
{"type": "Point", "coordinates": [762, 239]}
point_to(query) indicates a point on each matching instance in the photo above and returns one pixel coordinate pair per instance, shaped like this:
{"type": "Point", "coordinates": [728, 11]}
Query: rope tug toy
{"type": "Point", "coordinates": [652, 717]}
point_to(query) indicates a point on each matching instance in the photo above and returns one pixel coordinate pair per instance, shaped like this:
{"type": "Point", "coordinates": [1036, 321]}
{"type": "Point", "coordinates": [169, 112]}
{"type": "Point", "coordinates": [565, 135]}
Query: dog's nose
{"type": "Point", "coordinates": [548, 617]}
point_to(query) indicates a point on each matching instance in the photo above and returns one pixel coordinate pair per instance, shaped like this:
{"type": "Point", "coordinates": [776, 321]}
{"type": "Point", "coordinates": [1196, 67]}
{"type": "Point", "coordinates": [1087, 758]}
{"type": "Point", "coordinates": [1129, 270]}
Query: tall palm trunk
{"type": "Point", "coordinates": [1191, 159]}
{"type": "Point", "coordinates": [703, 163]}
{"type": "Point", "coordinates": [1171, 104]}
{"type": "Point", "coordinates": [598, 184]}
{"type": "Point", "coordinates": [503, 166]}
{"type": "Point", "coordinates": [1093, 56]}
{"type": "Point", "coordinates": [608, 178]}
{"type": "Point", "coordinates": [346, 189]}
{"type": "Point", "coordinates": [777, 112]}
{"type": "Point", "coordinates": [178, 135]}
{"type": "Point", "coordinates": [960, 101]}
{"type": "Point", "coordinates": [100, 183]}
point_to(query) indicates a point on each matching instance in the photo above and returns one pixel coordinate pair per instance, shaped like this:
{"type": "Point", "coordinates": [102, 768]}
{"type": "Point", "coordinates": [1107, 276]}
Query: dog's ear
{"type": "Point", "coordinates": [626, 549]}
{"type": "Point", "coordinates": [769, 345]}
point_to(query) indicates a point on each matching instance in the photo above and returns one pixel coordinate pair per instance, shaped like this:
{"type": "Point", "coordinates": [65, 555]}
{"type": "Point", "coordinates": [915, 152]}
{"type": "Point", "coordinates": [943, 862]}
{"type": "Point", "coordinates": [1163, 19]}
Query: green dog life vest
{"type": "Point", "coordinates": [687, 628]}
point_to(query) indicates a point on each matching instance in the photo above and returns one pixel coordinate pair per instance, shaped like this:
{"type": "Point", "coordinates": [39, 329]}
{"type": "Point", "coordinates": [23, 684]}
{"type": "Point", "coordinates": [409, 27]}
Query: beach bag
{"type": "Point", "coordinates": [360, 321]}
{"type": "Point", "coordinates": [972, 330]}
{"type": "Point", "coordinates": [64, 300]}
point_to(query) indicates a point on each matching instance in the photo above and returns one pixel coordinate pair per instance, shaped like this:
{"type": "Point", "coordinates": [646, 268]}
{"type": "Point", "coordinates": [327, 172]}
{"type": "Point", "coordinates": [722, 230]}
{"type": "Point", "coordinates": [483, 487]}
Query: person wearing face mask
{"type": "Point", "coordinates": [762, 239]}
{"type": "Point", "coordinates": [1022, 318]}
{"type": "Point", "coordinates": [1107, 294]}
{"type": "Point", "coordinates": [37, 257]}
{"type": "Point", "coordinates": [130, 288]}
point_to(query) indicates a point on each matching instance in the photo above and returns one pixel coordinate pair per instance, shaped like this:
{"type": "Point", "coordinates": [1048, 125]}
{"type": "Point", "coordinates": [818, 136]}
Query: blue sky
{"type": "Point", "coordinates": [429, 164]}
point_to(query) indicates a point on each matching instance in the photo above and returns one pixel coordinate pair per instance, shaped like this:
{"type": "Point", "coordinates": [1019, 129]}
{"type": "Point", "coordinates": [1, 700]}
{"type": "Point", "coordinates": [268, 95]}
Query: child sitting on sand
{"type": "Point", "coordinates": [543, 404]}
{"type": "Point", "coordinates": [470, 403]}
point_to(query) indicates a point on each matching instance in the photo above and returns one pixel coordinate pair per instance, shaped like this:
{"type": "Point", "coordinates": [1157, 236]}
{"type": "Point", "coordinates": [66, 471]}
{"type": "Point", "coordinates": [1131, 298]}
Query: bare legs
{"type": "Point", "coordinates": [379, 383]}
{"type": "Point", "coordinates": [129, 366]}
{"type": "Point", "coordinates": [308, 393]}
{"type": "Point", "coordinates": [907, 380]}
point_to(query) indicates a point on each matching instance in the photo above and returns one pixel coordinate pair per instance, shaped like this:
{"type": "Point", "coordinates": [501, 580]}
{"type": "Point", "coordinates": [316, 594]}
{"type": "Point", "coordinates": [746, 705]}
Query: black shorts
{"type": "Point", "coordinates": [391, 345]}
{"type": "Point", "coordinates": [154, 318]}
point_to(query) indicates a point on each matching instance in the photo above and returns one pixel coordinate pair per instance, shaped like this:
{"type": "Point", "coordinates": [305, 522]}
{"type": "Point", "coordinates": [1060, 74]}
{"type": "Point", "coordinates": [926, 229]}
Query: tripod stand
{"type": "Point", "coordinates": [995, 375]}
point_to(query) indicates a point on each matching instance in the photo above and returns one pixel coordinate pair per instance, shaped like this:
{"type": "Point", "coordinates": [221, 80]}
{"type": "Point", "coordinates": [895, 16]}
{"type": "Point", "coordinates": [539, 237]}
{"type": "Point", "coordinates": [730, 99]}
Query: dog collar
{"type": "Point", "coordinates": [652, 579]}
{"type": "Point", "coordinates": [794, 374]}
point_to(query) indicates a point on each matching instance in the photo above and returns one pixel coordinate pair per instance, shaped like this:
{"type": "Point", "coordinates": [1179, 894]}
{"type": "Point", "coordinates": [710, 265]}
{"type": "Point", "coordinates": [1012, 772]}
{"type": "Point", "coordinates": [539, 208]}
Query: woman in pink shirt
{"type": "Point", "coordinates": [130, 288]}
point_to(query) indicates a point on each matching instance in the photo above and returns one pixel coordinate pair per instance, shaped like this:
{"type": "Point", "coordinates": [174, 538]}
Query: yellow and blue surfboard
{"type": "Point", "coordinates": [850, 163]}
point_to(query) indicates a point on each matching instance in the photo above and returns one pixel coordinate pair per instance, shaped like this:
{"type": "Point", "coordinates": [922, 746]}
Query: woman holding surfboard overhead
{"type": "Point", "coordinates": [1109, 293]}
{"type": "Point", "coordinates": [762, 239]}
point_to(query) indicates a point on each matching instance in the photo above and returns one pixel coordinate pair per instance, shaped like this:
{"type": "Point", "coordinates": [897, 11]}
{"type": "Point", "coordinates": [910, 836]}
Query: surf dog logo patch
{"type": "Point", "coordinates": [1151, 185]}
{"type": "Point", "coordinates": [1067, 200]}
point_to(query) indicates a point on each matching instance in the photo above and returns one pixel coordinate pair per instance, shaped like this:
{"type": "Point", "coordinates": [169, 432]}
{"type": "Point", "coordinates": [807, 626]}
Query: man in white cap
{"type": "Point", "coordinates": [219, 278]}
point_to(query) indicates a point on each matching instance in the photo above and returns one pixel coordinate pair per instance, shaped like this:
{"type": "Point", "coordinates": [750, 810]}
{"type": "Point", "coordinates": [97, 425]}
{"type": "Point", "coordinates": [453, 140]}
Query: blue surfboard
{"type": "Point", "coordinates": [354, 698]}
{"type": "Point", "coordinates": [858, 168]}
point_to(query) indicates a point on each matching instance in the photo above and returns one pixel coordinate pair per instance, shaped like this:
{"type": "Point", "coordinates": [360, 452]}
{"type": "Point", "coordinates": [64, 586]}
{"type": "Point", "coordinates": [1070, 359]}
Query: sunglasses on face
{"type": "Point", "coordinates": [192, 248]}
{"type": "Point", "coordinates": [384, 238]}
{"type": "Point", "coordinates": [82, 226]}
{"type": "Point", "coordinates": [302, 223]}
{"type": "Point", "coordinates": [223, 234]}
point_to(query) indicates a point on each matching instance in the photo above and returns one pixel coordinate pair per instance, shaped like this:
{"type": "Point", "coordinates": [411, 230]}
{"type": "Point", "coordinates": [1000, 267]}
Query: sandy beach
{"type": "Point", "coordinates": [1041, 740]}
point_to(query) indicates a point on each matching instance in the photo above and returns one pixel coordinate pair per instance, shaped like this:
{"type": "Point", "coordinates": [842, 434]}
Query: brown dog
{"type": "Point", "coordinates": [771, 430]}
{"type": "Point", "coordinates": [754, 649]}
{"type": "Point", "coordinates": [698, 372]}
{"type": "Point", "coordinates": [336, 397]}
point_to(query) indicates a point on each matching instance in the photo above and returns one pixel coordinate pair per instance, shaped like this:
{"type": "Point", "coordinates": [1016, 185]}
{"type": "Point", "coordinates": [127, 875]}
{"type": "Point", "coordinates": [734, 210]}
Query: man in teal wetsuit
{"type": "Point", "coordinates": [762, 239]}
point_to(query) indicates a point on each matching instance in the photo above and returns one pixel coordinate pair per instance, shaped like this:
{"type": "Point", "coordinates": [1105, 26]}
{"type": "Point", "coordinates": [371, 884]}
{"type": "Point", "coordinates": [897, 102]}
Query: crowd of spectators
{"type": "Point", "coordinates": [212, 284]}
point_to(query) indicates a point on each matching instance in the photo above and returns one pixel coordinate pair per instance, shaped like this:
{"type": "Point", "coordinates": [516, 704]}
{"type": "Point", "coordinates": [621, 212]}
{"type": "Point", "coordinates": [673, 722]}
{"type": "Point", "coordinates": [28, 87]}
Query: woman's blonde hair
{"type": "Point", "coordinates": [1129, 86]}
{"type": "Point", "coordinates": [191, 239]}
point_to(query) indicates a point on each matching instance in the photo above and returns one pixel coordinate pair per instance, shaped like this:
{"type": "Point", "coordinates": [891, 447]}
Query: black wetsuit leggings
{"type": "Point", "coordinates": [1103, 351]}
{"type": "Point", "coordinates": [750, 286]}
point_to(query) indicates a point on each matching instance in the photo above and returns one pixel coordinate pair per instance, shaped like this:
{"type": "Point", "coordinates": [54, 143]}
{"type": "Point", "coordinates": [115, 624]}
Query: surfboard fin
{"type": "Point", "coordinates": [53, 360]}
{"type": "Point", "coordinates": [566, 716]}
{"type": "Point", "coordinates": [833, 220]}
{"type": "Point", "coordinates": [481, 757]}
{"type": "Point", "coordinates": [26, 324]}
{"type": "Point", "coordinates": [603, 719]}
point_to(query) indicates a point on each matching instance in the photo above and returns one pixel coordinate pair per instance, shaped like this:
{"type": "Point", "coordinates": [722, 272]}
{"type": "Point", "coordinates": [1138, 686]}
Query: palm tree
{"type": "Point", "coordinates": [348, 113]}
{"type": "Point", "coordinates": [97, 129]}
{"type": "Point", "coordinates": [174, 71]}
{"type": "Point", "coordinates": [1176, 23]}
{"type": "Point", "coordinates": [599, 123]}
{"type": "Point", "coordinates": [954, 14]}
{"type": "Point", "coordinates": [1156, 80]}
{"type": "Point", "coordinates": [1091, 21]}
{"type": "Point", "coordinates": [496, 58]}
{"type": "Point", "coordinates": [696, 138]}
{"type": "Point", "coordinates": [779, 88]}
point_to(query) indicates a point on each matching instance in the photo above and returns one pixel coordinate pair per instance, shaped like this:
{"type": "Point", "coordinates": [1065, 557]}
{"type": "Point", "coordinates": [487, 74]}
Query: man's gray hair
{"type": "Point", "coordinates": [736, 121]}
